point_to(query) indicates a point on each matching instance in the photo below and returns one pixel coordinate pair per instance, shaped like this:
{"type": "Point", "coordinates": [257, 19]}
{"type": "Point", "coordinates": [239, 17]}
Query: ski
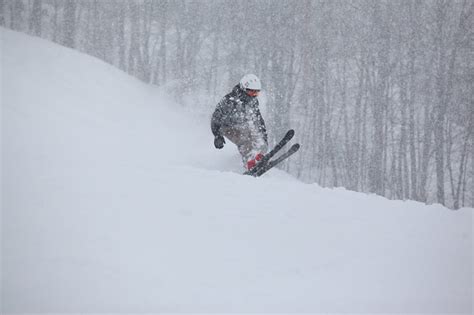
{"type": "Point", "coordinates": [288, 136]}
{"type": "Point", "coordinates": [262, 170]}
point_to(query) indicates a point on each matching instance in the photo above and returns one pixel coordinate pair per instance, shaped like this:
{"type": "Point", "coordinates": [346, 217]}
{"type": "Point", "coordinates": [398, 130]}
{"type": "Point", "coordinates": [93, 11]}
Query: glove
{"type": "Point", "coordinates": [219, 142]}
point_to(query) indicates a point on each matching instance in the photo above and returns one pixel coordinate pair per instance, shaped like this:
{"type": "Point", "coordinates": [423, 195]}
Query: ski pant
{"type": "Point", "coordinates": [249, 141]}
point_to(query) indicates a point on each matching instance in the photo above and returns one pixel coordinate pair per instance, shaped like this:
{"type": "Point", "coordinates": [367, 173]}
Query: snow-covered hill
{"type": "Point", "coordinates": [114, 200]}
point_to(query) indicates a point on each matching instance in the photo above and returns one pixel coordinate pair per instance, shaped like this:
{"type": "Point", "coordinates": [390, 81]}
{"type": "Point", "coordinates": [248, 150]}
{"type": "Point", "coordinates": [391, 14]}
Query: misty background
{"type": "Point", "coordinates": [380, 92]}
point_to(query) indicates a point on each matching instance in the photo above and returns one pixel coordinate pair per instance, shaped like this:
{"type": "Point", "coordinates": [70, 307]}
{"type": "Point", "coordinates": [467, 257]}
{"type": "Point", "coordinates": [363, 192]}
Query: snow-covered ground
{"type": "Point", "coordinates": [114, 200]}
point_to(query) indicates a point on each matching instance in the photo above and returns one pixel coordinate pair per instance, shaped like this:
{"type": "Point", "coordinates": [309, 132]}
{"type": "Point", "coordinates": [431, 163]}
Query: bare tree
{"type": "Point", "coordinates": [69, 24]}
{"type": "Point", "coordinates": [36, 16]}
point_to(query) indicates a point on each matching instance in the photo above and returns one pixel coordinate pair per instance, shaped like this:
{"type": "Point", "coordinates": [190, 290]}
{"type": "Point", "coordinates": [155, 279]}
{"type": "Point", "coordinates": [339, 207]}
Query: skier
{"type": "Point", "coordinates": [238, 118]}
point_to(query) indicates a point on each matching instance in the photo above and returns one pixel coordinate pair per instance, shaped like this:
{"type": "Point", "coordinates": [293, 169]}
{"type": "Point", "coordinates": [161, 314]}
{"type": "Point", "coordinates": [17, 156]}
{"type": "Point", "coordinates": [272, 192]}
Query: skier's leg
{"type": "Point", "coordinates": [240, 138]}
{"type": "Point", "coordinates": [251, 146]}
{"type": "Point", "coordinates": [249, 142]}
{"type": "Point", "coordinates": [257, 144]}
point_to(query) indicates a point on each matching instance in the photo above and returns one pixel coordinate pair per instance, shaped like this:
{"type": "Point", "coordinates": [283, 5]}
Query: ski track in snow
{"type": "Point", "coordinates": [114, 200]}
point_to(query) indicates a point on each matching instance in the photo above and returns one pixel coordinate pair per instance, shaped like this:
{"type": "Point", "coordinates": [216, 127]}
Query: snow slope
{"type": "Point", "coordinates": [114, 200]}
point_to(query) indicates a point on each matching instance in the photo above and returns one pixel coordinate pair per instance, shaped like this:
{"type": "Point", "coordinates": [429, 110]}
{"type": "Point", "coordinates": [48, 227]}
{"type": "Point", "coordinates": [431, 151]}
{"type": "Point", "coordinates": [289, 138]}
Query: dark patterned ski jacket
{"type": "Point", "coordinates": [238, 110]}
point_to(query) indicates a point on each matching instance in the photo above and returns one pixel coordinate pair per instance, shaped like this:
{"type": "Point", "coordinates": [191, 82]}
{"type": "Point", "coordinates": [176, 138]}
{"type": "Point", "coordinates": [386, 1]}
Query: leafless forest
{"type": "Point", "coordinates": [380, 92]}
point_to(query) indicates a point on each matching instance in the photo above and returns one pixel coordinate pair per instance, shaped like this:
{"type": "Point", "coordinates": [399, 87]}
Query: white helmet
{"type": "Point", "coordinates": [250, 81]}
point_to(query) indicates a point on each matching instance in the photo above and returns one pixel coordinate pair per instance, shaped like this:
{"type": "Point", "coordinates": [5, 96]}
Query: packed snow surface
{"type": "Point", "coordinates": [114, 200]}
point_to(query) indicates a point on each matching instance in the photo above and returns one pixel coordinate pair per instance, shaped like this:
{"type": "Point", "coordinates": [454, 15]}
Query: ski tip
{"type": "Point", "coordinates": [290, 132]}
{"type": "Point", "coordinates": [295, 147]}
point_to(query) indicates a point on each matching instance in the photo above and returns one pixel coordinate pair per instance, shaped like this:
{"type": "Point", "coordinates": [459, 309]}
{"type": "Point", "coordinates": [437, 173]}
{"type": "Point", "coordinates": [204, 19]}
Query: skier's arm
{"type": "Point", "coordinates": [215, 126]}
{"type": "Point", "coordinates": [216, 119]}
{"type": "Point", "coordinates": [216, 122]}
{"type": "Point", "coordinates": [261, 125]}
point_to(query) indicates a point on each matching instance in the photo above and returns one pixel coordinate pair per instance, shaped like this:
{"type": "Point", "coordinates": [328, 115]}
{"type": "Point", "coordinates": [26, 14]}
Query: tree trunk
{"type": "Point", "coordinates": [69, 37]}
{"type": "Point", "coordinates": [36, 16]}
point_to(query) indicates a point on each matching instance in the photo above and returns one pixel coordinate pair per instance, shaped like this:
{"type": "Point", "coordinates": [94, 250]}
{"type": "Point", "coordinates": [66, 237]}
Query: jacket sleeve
{"type": "Point", "coordinates": [216, 120]}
